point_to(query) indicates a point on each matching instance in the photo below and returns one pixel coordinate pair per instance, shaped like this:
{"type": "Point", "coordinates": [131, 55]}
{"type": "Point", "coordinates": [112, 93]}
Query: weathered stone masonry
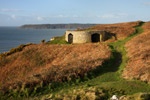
{"type": "Point", "coordinates": [86, 36]}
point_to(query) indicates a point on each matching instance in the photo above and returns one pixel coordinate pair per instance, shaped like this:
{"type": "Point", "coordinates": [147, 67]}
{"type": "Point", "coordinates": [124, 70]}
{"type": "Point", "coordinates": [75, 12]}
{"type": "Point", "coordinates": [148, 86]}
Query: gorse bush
{"type": "Point", "coordinates": [28, 44]}
{"type": "Point", "coordinates": [14, 50]}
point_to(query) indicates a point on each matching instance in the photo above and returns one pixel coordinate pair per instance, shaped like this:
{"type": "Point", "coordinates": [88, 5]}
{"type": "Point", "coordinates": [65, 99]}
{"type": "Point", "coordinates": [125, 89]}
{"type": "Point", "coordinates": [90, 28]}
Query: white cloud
{"type": "Point", "coordinates": [108, 16]}
{"type": "Point", "coordinates": [13, 16]}
{"type": "Point", "coordinates": [10, 10]}
{"type": "Point", "coordinates": [75, 16]}
{"type": "Point", "coordinates": [146, 3]}
{"type": "Point", "coordinates": [114, 16]}
{"type": "Point", "coordinates": [39, 18]}
{"type": "Point", "coordinates": [42, 18]}
{"type": "Point", "coordinates": [59, 16]}
{"type": "Point", "coordinates": [122, 15]}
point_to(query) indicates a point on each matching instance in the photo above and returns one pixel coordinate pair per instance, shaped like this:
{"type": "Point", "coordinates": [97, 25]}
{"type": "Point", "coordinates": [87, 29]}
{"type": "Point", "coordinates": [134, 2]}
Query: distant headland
{"type": "Point", "coordinates": [55, 26]}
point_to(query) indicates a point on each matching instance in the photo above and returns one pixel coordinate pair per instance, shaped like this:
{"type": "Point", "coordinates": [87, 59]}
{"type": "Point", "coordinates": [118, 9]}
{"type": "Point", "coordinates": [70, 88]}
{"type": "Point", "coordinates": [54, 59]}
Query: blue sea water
{"type": "Point", "coordinates": [11, 37]}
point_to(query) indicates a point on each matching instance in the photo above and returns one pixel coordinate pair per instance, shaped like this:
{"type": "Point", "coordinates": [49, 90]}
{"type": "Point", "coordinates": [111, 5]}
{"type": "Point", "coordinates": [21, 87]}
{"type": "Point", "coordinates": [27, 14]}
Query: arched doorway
{"type": "Point", "coordinates": [95, 37]}
{"type": "Point", "coordinates": [70, 38]}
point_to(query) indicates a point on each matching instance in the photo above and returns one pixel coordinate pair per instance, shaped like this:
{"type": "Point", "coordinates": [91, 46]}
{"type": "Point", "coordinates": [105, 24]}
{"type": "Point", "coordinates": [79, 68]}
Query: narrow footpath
{"type": "Point", "coordinates": [110, 74]}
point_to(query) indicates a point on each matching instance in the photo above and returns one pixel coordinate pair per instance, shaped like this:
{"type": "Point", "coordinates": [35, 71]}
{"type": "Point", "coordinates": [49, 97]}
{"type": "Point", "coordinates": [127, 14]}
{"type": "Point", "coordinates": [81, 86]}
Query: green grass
{"type": "Point", "coordinates": [58, 40]}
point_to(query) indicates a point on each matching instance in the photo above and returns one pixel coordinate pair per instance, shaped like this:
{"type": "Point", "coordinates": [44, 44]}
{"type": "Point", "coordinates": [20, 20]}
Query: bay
{"type": "Point", "coordinates": [11, 37]}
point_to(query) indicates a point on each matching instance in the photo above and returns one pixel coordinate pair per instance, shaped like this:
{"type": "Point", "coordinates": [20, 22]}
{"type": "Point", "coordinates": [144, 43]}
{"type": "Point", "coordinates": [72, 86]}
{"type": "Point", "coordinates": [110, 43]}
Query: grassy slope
{"type": "Point", "coordinates": [139, 56]}
{"type": "Point", "coordinates": [115, 81]}
{"type": "Point", "coordinates": [122, 30]}
{"type": "Point", "coordinates": [50, 64]}
{"type": "Point", "coordinates": [110, 78]}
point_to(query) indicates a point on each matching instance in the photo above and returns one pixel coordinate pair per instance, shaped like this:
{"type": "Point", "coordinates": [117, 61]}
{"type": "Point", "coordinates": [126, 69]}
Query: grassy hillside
{"type": "Point", "coordinates": [139, 56]}
{"type": "Point", "coordinates": [80, 72]}
{"type": "Point", "coordinates": [122, 30]}
{"type": "Point", "coordinates": [109, 81]}
{"type": "Point", "coordinates": [45, 64]}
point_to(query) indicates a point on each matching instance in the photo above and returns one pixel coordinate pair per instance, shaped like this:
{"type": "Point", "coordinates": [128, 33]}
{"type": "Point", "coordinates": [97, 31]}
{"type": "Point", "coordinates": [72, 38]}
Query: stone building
{"type": "Point", "coordinates": [87, 36]}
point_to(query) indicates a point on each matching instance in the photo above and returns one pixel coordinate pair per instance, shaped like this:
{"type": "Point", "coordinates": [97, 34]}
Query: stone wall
{"type": "Point", "coordinates": [85, 36]}
{"type": "Point", "coordinates": [79, 36]}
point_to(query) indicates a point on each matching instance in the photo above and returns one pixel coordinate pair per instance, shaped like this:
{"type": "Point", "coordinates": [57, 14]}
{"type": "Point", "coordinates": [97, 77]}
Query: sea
{"type": "Point", "coordinates": [11, 37]}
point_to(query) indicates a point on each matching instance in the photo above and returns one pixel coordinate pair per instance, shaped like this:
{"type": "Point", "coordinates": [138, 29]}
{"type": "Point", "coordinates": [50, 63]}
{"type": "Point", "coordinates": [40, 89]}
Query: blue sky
{"type": "Point", "coordinates": [19, 12]}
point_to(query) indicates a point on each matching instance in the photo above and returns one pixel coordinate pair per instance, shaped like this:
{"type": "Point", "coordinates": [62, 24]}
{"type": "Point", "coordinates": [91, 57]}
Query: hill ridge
{"type": "Point", "coordinates": [55, 26]}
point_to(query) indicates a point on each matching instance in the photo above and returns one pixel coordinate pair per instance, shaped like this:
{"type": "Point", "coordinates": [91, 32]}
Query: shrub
{"type": "Point", "coordinates": [14, 50]}
{"type": "Point", "coordinates": [43, 41]}
{"type": "Point", "coordinates": [28, 44]}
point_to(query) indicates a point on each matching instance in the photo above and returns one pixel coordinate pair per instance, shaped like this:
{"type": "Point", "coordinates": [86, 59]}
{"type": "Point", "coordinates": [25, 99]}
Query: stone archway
{"type": "Point", "coordinates": [70, 38]}
{"type": "Point", "coordinates": [95, 37]}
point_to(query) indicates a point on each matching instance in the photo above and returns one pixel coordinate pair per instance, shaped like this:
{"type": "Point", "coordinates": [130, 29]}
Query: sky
{"type": "Point", "coordinates": [20, 12]}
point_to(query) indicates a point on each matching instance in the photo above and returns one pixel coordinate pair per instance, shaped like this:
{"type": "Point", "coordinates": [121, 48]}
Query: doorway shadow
{"type": "Point", "coordinates": [95, 37]}
{"type": "Point", "coordinates": [70, 38]}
